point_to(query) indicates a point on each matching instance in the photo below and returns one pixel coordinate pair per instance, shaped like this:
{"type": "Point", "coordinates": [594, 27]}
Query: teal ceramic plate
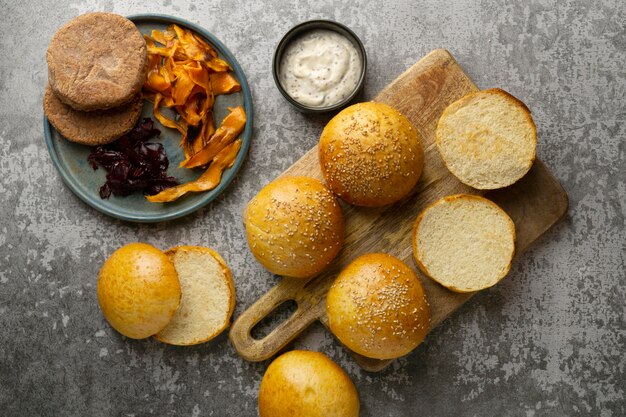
{"type": "Point", "coordinates": [70, 158]}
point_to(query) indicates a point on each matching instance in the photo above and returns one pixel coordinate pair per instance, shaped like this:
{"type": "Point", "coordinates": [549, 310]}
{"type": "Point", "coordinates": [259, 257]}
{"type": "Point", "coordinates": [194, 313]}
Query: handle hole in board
{"type": "Point", "coordinates": [281, 313]}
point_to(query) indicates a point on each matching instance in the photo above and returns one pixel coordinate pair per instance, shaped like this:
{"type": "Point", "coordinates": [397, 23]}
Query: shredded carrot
{"type": "Point", "coordinates": [224, 83]}
{"type": "Point", "coordinates": [231, 127]}
{"type": "Point", "coordinates": [185, 74]}
{"type": "Point", "coordinates": [207, 181]}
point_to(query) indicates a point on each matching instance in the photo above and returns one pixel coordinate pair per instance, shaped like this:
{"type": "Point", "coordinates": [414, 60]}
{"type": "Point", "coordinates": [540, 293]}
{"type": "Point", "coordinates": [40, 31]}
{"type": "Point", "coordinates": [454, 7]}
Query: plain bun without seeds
{"type": "Point", "coordinates": [370, 155]}
{"type": "Point", "coordinates": [208, 296]}
{"type": "Point", "coordinates": [302, 383]}
{"type": "Point", "coordinates": [487, 139]}
{"type": "Point", "coordinates": [138, 290]}
{"type": "Point", "coordinates": [464, 242]}
{"type": "Point", "coordinates": [97, 61]}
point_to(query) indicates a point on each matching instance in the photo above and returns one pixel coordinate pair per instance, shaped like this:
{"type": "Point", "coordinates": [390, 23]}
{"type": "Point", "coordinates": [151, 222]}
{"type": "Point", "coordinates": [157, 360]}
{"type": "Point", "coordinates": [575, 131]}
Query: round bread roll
{"type": "Point", "coordinates": [377, 307]}
{"type": "Point", "coordinates": [138, 290]}
{"type": "Point", "coordinates": [370, 155]}
{"type": "Point", "coordinates": [487, 139]}
{"type": "Point", "coordinates": [91, 128]}
{"type": "Point", "coordinates": [208, 296]}
{"type": "Point", "coordinates": [464, 242]}
{"type": "Point", "coordinates": [294, 226]}
{"type": "Point", "coordinates": [303, 383]}
{"type": "Point", "coordinates": [97, 61]}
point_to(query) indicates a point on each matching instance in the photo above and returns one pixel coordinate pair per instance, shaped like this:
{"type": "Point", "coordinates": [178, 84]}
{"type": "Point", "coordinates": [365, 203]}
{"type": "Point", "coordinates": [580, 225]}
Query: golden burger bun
{"type": "Point", "coordinates": [377, 307]}
{"type": "Point", "coordinates": [303, 383]}
{"type": "Point", "coordinates": [370, 155]}
{"type": "Point", "coordinates": [138, 290]}
{"type": "Point", "coordinates": [294, 226]}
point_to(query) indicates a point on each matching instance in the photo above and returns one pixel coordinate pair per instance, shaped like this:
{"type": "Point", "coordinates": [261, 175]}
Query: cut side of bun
{"type": "Point", "coordinates": [464, 242]}
{"type": "Point", "coordinates": [487, 139]}
{"type": "Point", "coordinates": [208, 296]}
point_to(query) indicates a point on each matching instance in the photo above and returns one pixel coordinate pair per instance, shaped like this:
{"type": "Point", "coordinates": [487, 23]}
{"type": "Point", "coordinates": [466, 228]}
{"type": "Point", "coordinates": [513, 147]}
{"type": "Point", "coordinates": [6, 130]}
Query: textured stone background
{"type": "Point", "coordinates": [548, 341]}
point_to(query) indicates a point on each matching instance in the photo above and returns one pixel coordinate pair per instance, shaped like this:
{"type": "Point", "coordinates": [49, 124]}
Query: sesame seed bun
{"type": "Point", "coordinates": [370, 155]}
{"type": "Point", "coordinates": [377, 307]}
{"type": "Point", "coordinates": [97, 61]}
{"type": "Point", "coordinates": [138, 290]}
{"type": "Point", "coordinates": [303, 383]}
{"type": "Point", "coordinates": [464, 242]}
{"type": "Point", "coordinates": [294, 226]}
{"type": "Point", "coordinates": [487, 139]}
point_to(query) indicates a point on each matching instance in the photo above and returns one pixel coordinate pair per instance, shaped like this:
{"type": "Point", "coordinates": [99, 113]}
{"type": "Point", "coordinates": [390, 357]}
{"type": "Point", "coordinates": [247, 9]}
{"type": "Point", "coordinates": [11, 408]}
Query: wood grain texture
{"type": "Point", "coordinates": [535, 203]}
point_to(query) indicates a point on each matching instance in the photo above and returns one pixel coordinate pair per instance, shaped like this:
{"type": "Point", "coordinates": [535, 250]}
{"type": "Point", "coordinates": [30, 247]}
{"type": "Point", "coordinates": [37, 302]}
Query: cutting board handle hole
{"type": "Point", "coordinates": [279, 314]}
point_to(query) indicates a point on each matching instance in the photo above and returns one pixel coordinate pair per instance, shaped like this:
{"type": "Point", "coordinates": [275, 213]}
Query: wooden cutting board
{"type": "Point", "coordinates": [535, 203]}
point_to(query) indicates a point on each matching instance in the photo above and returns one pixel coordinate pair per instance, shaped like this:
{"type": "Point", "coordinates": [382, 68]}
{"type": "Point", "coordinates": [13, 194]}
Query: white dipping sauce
{"type": "Point", "coordinates": [320, 68]}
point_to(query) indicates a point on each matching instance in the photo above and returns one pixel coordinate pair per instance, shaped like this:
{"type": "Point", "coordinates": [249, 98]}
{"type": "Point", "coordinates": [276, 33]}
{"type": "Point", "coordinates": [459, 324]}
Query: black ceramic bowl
{"type": "Point", "coordinates": [302, 28]}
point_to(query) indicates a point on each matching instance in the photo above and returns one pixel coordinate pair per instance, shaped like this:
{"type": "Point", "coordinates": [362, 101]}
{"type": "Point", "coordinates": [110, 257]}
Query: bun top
{"type": "Point", "coordinates": [138, 290]}
{"type": "Point", "coordinates": [487, 139]}
{"type": "Point", "coordinates": [303, 383]}
{"type": "Point", "coordinates": [370, 154]}
{"type": "Point", "coordinates": [97, 61]}
{"type": "Point", "coordinates": [294, 226]}
{"type": "Point", "coordinates": [464, 242]}
{"type": "Point", "coordinates": [377, 307]}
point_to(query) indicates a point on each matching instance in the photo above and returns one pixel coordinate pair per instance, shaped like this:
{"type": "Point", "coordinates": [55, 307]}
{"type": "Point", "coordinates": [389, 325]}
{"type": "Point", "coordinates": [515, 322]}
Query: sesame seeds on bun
{"type": "Point", "coordinates": [377, 307]}
{"type": "Point", "coordinates": [370, 155]}
{"type": "Point", "coordinates": [294, 226]}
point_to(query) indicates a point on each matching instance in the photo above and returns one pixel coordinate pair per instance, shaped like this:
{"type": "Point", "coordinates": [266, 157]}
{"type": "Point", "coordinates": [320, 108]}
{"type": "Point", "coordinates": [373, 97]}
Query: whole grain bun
{"type": "Point", "coordinates": [303, 383]}
{"type": "Point", "coordinates": [464, 242]}
{"type": "Point", "coordinates": [97, 61]}
{"type": "Point", "coordinates": [487, 139]}
{"type": "Point", "coordinates": [138, 290]}
{"type": "Point", "coordinates": [370, 155]}
{"type": "Point", "coordinates": [377, 307]}
{"type": "Point", "coordinates": [294, 226]}
{"type": "Point", "coordinates": [208, 296]}
{"type": "Point", "coordinates": [91, 128]}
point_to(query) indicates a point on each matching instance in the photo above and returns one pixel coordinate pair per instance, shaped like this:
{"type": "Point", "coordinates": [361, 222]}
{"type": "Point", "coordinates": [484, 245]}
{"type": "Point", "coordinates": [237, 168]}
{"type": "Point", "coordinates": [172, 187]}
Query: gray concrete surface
{"type": "Point", "coordinates": [547, 341]}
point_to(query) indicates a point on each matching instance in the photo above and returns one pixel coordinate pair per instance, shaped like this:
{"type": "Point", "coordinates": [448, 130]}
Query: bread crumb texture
{"type": "Point", "coordinates": [464, 242]}
{"type": "Point", "coordinates": [207, 299]}
{"type": "Point", "coordinates": [487, 139]}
